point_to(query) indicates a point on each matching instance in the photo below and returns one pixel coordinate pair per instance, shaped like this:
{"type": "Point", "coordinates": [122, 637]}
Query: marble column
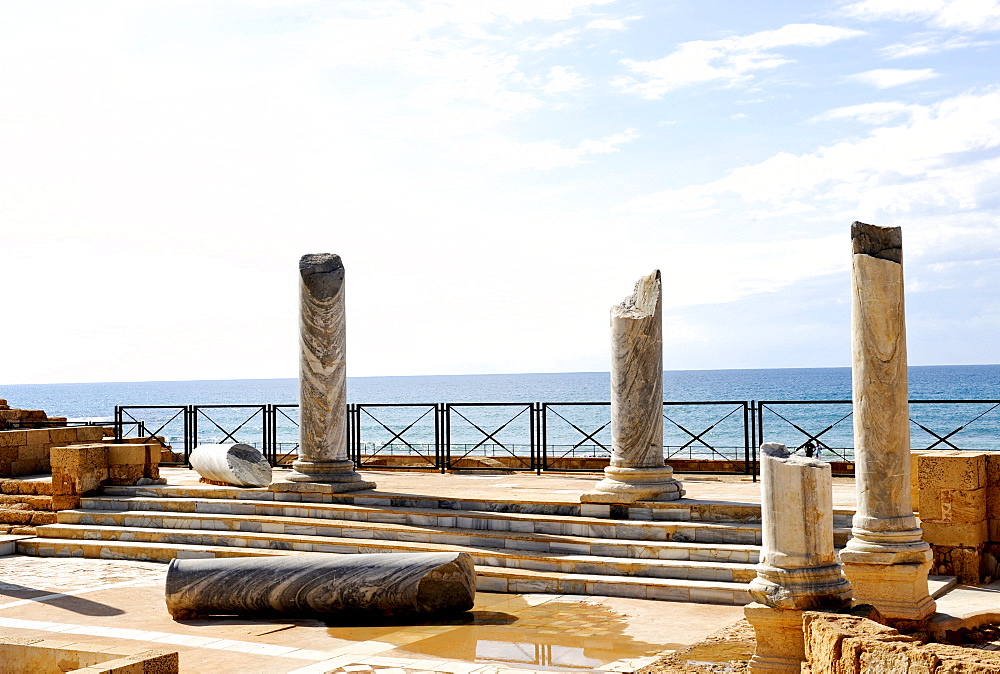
{"type": "Point", "coordinates": [231, 463]}
{"type": "Point", "coordinates": [637, 471]}
{"type": "Point", "coordinates": [798, 568]}
{"type": "Point", "coordinates": [320, 583]}
{"type": "Point", "coordinates": [886, 559]}
{"type": "Point", "coordinates": [323, 377]}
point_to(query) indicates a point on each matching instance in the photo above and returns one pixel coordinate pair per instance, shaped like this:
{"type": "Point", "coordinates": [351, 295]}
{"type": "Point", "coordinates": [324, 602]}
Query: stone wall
{"type": "Point", "coordinates": [26, 452]}
{"type": "Point", "coordinates": [78, 469]}
{"type": "Point", "coordinates": [838, 644]}
{"type": "Point", "coordinates": [958, 499]}
{"type": "Point", "coordinates": [17, 418]}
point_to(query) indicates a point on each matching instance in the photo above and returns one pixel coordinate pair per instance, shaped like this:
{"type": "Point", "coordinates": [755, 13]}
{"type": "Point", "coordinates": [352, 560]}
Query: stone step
{"type": "Point", "coordinates": [488, 579]}
{"type": "Point", "coordinates": [515, 559]}
{"type": "Point", "coordinates": [591, 527]}
{"type": "Point", "coordinates": [682, 510]}
{"type": "Point", "coordinates": [701, 552]}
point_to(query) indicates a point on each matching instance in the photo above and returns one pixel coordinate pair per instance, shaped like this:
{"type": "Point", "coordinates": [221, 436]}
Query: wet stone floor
{"type": "Point", "coordinates": [102, 602]}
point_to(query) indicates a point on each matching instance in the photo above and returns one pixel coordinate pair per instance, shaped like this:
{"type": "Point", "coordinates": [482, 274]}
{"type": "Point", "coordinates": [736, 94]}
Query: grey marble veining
{"type": "Point", "coordinates": [637, 470]}
{"type": "Point", "coordinates": [233, 463]}
{"type": "Point", "coordinates": [322, 584]}
{"type": "Point", "coordinates": [323, 376]}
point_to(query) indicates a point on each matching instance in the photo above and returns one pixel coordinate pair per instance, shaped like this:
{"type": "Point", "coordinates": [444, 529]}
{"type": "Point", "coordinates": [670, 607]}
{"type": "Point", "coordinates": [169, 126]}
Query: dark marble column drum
{"type": "Point", "coordinates": [319, 583]}
{"type": "Point", "coordinates": [323, 377]}
{"type": "Point", "coordinates": [637, 470]}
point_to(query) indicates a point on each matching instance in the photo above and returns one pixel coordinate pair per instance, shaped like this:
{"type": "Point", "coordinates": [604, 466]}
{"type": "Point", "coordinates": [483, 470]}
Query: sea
{"type": "Point", "coordinates": [708, 414]}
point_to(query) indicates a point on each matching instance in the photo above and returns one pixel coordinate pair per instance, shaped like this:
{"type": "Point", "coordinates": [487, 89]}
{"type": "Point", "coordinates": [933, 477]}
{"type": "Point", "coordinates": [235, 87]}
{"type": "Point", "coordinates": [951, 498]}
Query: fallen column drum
{"type": "Point", "coordinates": [321, 583]}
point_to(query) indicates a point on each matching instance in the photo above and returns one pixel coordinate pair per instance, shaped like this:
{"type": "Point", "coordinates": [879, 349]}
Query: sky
{"type": "Point", "coordinates": [495, 174]}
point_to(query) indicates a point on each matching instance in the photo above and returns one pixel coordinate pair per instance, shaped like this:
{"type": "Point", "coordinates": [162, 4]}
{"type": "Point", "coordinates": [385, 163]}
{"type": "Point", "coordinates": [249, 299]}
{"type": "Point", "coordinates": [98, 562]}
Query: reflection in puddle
{"type": "Point", "coordinates": [549, 635]}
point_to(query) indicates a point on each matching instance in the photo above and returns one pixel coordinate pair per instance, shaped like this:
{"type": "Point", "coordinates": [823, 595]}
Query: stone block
{"type": "Point", "coordinates": [963, 505]}
{"type": "Point", "coordinates": [993, 502]}
{"type": "Point", "coordinates": [126, 454]}
{"type": "Point", "coordinates": [63, 436]}
{"type": "Point", "coordinates": [952, 470]}
{"type": "Point", "coordinates": [90, 433]}
{"type": "Point", "coordinates": [956, 534]}
{"type": "Point", "coordinates": [930, 504]}
{"type": "Point", "coordinates": [37, 436]}
{"type": "Point", "coordinates": [13, 438]}
{"type": "Point", "coordinates": [780, 643]}
{"type": "Point", "coordinates": [119, 474]}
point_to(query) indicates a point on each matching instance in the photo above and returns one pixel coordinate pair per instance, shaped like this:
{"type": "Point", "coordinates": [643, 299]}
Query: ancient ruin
{"type": "Point", "coordinates": [232, 463]}
{"type": "Point", "coordinates": [637, 471]}
{"type": "Point", "coordinates": [318, 584]}
{"type": "Point", "coordinates": [886, 559]}
{"type": "Point", "coordinates": [323, 377]}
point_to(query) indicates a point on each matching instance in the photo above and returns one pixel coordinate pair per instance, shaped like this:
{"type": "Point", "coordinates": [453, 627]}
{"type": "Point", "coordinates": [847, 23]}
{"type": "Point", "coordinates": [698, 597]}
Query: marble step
{"type": "Point", "coordinates": [701, 552]}
{"type": "Point", "coordinates": [490, 557]}
{"type": "Point", "coordinates": [488, 579]}
{"type": "Point", "coordinates": [591, 527]}
{"type": "Point", "coordinates": [682, 510]}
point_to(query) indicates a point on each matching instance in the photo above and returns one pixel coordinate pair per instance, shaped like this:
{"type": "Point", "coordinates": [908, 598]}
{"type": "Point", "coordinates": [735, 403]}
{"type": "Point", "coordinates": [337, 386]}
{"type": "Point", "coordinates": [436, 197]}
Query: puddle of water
{"type": "Point", "coordinates": [505, 629]}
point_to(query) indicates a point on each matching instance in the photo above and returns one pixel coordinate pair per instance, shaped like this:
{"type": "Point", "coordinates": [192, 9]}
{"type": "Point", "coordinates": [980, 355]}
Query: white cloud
{"type": "Point", "coordinates": [884, 78]}
{"type": "Point", "coordinates": [729, 60]}
{"type": "Point", "coordinates": [562, 79]}
{"type": "Point", "coordinates": [869, 113]}
{"type": "Point", "coordinates": [934, 44]}
{"type": "Point", "coordinates": [558, 40]}
{"type": "Point", "coordinates": [965, 15]}
{"type": "Point", "coordinates": [738, 115]}
{"type": "Point", "coordinates": [606, 24]}
{"type": "Point", "coordinates": [928, 167]}
{"type": "Point", "coordinates": [506, 155]}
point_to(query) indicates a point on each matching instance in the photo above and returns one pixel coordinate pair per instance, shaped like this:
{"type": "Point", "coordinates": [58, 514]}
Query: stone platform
{"type": "Point", "coordinates": [526, 533]}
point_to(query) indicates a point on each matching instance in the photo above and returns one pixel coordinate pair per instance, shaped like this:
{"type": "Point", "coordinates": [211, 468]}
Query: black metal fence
{"type": "Point", "coordinates": [721, 436]}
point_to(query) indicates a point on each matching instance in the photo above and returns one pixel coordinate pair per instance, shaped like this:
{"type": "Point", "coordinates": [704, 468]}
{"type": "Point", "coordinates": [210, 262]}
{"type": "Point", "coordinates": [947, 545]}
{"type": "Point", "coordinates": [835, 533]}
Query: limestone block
{"type": "Point", "coordinates": [952, 470]}
{"type": "Point", "coordinates": [316, 584]}
{"type": "Point", "coordinates": [780, 644]}
{"type": "Point", "coordinates": [963, 505]}
{"type": "Point", "coordinates": [37, 436]}
{"type": "Point", "coordinates": [234, 463]}
{"type": "Point", "coordinates": [956, 534]}
{"type": "Point", "coordinates": [76, 470]}
{"type": "Point", "coordinates": [63, 436]}
{"type": "Point", "coordinates": [898, 591]}
{"type": "Point", "coordinates": [92, 433]}
{"type": "Point", "coordinates": [126, 454]}
{"type": "Point", "coordinates": [13, 438]}
{"type": "Point", "coordinates": [993, 502]}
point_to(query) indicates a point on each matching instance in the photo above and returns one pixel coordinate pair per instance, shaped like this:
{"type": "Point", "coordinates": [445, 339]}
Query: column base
{"type": "Point", "coordinates": [339, 474]}
{"type": "Point", "coordinates": [821, 588]}
{"type": "Point", "coordinates": [628, 485]}
{"type": "Point", "coordinates": [781, 645]}
{"type": "Point", "coordinates": [898, 591]}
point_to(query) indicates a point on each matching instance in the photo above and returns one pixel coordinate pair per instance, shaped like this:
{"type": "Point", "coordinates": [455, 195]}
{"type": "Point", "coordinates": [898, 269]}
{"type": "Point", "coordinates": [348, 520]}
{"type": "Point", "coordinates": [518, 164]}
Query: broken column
{"type": "Point", "coordinates": [886, 559]}
{"type": "Point", "coordinates": [637, 470]}
{"type": "Point", "coordinates": [322, 585]}
{"type": "Point", "coordinates": [323, 454]}
{"type": "Point", "coordinates": [798, 569]}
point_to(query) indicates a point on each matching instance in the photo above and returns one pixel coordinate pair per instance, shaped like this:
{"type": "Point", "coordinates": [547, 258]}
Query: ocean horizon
{"type": "Point", "coordinates": [722, 421]}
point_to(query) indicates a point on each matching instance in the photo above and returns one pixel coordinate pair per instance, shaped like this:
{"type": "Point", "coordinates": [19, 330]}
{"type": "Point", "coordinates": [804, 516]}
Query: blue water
{"type": "Point", "coordinates": [719, 428]}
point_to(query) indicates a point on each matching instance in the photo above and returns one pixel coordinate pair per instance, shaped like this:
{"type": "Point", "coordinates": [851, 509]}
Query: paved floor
{"type": "Point", "coordinates": [106, 602]}
{"type": "Point", "coordinates": [548, 487]}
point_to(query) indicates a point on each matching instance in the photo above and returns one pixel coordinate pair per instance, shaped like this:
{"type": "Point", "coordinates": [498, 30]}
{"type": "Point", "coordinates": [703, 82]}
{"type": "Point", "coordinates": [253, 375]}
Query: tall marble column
{"type": "Point", "coordinates": [637, 471]}
{"type": "Point", "coordinates": [886, 559]}
{"type": "Point", "coordinates": [323, 377]}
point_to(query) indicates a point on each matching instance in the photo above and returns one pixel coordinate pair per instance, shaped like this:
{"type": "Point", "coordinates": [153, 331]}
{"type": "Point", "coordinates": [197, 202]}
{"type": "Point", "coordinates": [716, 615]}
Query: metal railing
{"type": "Point", "coordinates": [722, 436]}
